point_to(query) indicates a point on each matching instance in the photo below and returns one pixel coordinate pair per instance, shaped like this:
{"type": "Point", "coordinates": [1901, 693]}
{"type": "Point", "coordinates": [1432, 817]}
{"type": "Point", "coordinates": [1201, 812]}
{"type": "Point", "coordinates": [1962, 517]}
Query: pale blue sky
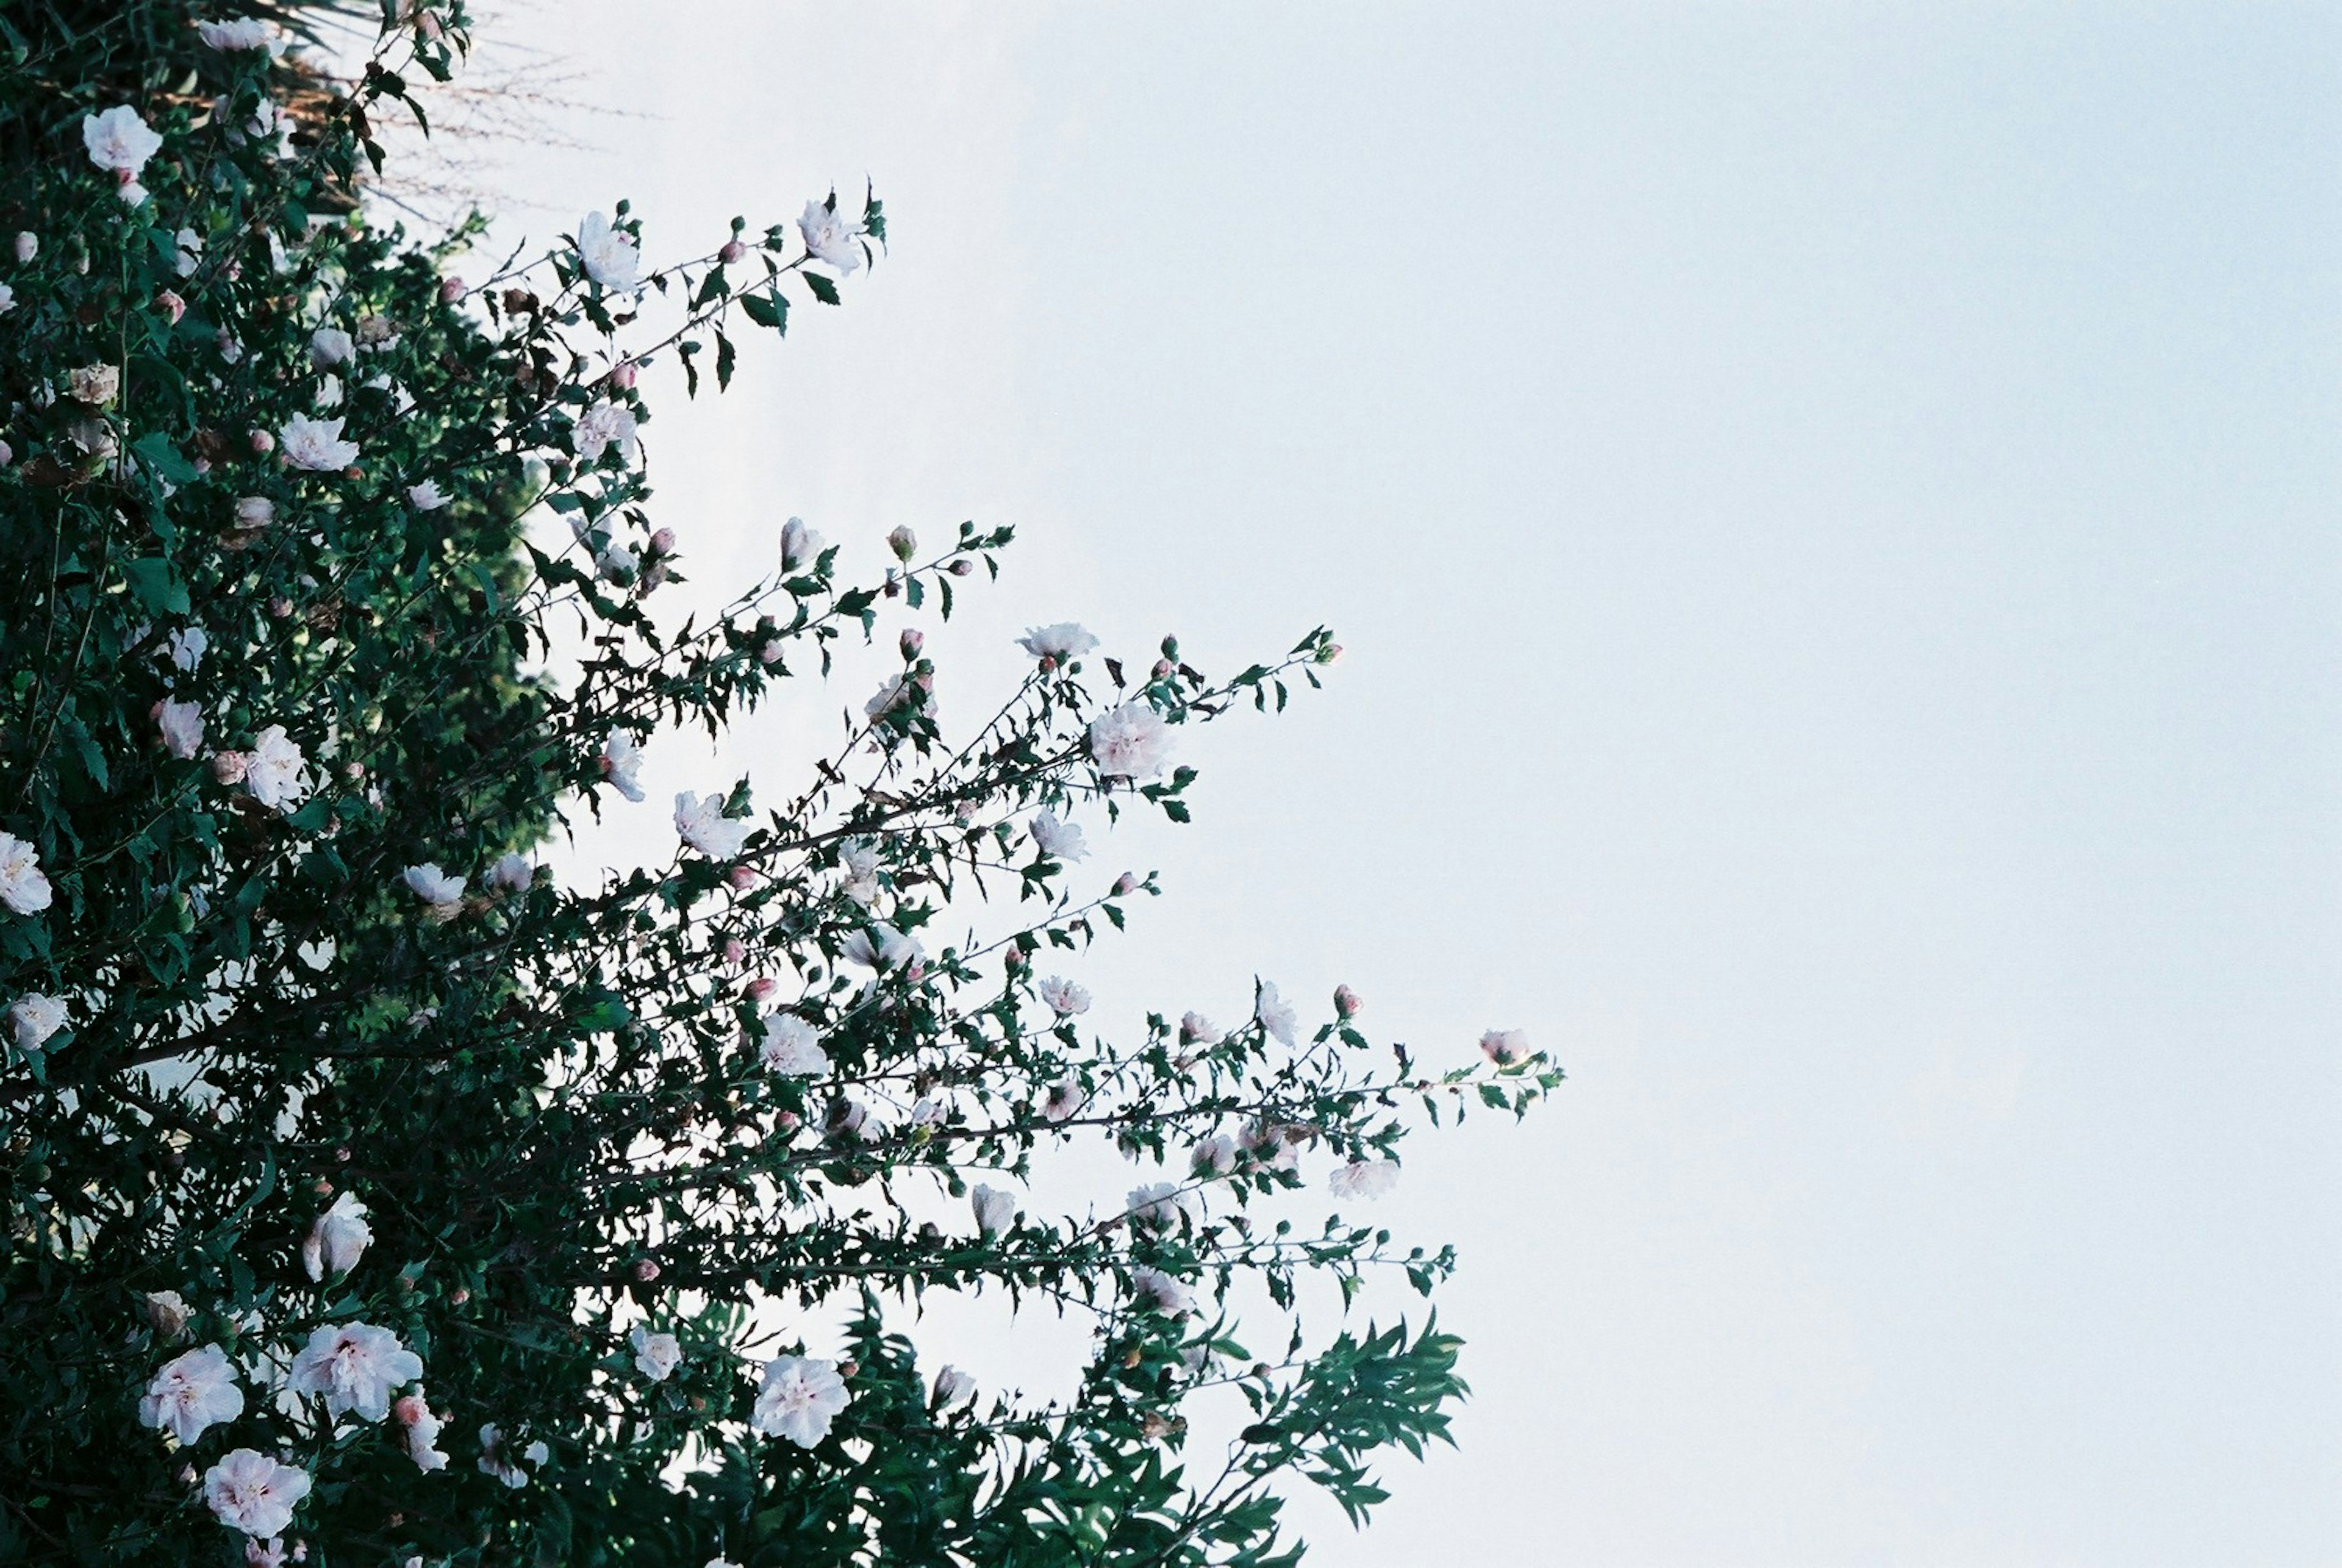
{"type": "Point", "coordinates": [1832, 509]}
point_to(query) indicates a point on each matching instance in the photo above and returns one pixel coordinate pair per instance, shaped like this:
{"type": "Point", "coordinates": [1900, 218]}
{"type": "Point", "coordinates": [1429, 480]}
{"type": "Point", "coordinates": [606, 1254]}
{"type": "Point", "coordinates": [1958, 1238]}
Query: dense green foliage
{"type": "Point", "coordinates": [273, 1071]}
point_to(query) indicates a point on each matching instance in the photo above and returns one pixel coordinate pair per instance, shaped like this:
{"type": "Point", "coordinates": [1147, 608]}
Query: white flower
{"type": "Point", "coordinates": [355, 1367]}
{"type": "Point", "coordinates": [616, 563]}
{"type": "Point", "coordinates": [254, 512]}
{"type": "Point", "coordinates": [338, 1238]}
{"type": "Point", "coordinates": [1065, 1098]}
{"type": "Point", "coordinates": [1276, 1147]}
{"type": "Point", "coordinates": [422, 1429]}
{"type": "Point", "coordinates": [7, 299]}
{"type": "Point", "coordinates": [996, 1211]}
{"type": "Point", "coordinates": [252, 1493]}
{"type": "Point", "coordinates": [495, 1461]}
{"type": "Point", "coordinates": [881, 947]}
{"type": "Point", "coordinates": [268, 127]}
{"type": "Point", "coordinates": [28, 244]}
{"type": "Point", "coordinates": [1198, 1030]}
{"type": "Point", "coordinates": [431, 885]}
{"type": "Point", "coordinates": [1367, 1179]}
{"type": "Point", "coordinates": [427, 497]}
{"type": "Point", "coordinates": [1066, 640]}
{"type": "Point", "coordinates": [896, 692]}
{"type": "Point", "coordinates": [800, 546]}
{"type": "Point", "coordinates": [829, 237]}
{"type": "Point", "coordinates": [249, 33]}
{"type": "Point", "coordinates": [1058, 840]}
{"type": "Point", "coordinates": [33, 1018]}
{"type": "Point", "coordinates": [191, 1392]}
{"type": "Point", "coordinates": [1165, 1293]}
{"type": "Point", "coordinates": [188, 645]}
{"type": "Point", "coordinates": [705, 828]}
{"type": "Point", "coordinates": [275, 770]}
{"type": "Point", "coordinates": [537, 1453]}
{"type": "Point", "coordinates": [119, 141]}
{"type": "Point", "coordinates": [605, 425]}
{"type": "Point", "coordinates": [1064, 998]}
{"type": "Point", "coordinates": [1275, 1013]}
{"type": "Point", "coordinates": [329, 392]}
{"type": "Point", "coordinates": [330, 346]}
{"type": "Point", "coordinates": [315, 445]}
{"type": "Point", "coordinates": [792, 1047]}
{"type": "Point", "coordinates": [1505, 1046]}
{"type": "Point", "coordinates": [1129, 741]}
{"type": "Point", "coordinates": [860, 861]}
{"type": "Point", "coordinates": [23, 888]}
{"type": "Point", "coordinates": [168, 1311]}
{"type": "Point", "coordinates": [1213, 1156]}
{"type": "Point", "coordinates": [953, 1387]}
{"type": "Point", "coordinates": [1160, 1203]}
{"type": "Point", "coordinates": [656, 1355]}
{"type": "Point", "coordinates": [512, 873]}
{"type": "Point", "coordinates": [190, 254]}
{"type": "Point", "coordinates": [799, 1398]}
{"type": "Point", "coordinates": [622, 762]}
{"type": "Point", "coordinates": [611, 256]}
{"type": "Point", "coordinates": [131, 192]}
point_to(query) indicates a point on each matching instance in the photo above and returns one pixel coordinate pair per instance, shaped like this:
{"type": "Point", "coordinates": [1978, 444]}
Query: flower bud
{"type": "Point", "coordinates": [663, 542]}
{"type": "Point", "coordinates": [911, 642]}
{"type": "Point", "coordinates": [186, 1475]}
{"type": "Point", "coordinates": [733, 251]}
{"type": "Point", "coordinates": [353, 772]}
{"type": "Point", "coordinates": [770, 654]}
{"type": "Point", "coordinates": [743, 877]}
{"type": "Point", "coordinates": [452, 289]}
{"type": "Point", "coordinates": [263, 441]}
{"type": "Point", "coordinates": [761, 989]}
{"type": "Point", "coordinates": [904, 542]}
{"type": "Point", "coordinates": [228, 766]}
{"type": "Point", "coordinates": [646, 1269]}
{"type": "Point", "coordinates": [960, 568]}
{"type": "Point", "coordinates": [7, 454]}
{"type": "Point", "coordinates": [622, 376]}
{"type": "Point", "coordinates": [173, 306]}
{"type": "Point", "coordinates": [28, 245]}
{"type": "Point", "coordinates": [734, 950]}
{"type": "Point", "coordinates": [1163, 669]}
{"type": "Point", "coordinates": [409, 1408]}
{"type": "Point", "coordinates": [280, 606]}
{"type": "Point", "coordinates": [1329, 653]}
{"type": "Point", "coordinates": [459, 1295]}
{"type": "Point", "coordinates": [1124, 884]}
{"type": "Point", "coordinates": [1346, 1002]}
{"type": "Point", "coordinates": [788, 1122]}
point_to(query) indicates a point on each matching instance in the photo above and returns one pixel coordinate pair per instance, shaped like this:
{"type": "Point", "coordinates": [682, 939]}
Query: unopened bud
{"type": "Point", "coordinates": [452, 289]}
{"type": "Point", "coordinates": [458, 1297]}
{"type": "Point", "coordinates": [172, 305]}
{"type": "Point", "coordinates": [228, 766]}
{"type": "Point", "coordinates": [263, 441]}
{"type": "Point", "coordinates": [911, 642]}
{"type": "Point", "coordinates": [770, 654]}
{"type": "Point", "coordinates": [733, 251]}
{"type": "Point", "coordinates": [663, 542]}
{"type": "Point", "coordinates": [622, 375]}
{"type": "Point", "coordinates": [1124, 884]}
{"type": "Point", "coordinates": [788, 1121]}
{"type": "Point", "coordinates": [1163, 668]}
{"type": "Point", "coordinates": [1346, 1002]}
{"type": "Point", "coordinates": [734, 950]}
{"type": "Point", "coordinates": [647, 1270]}
{"type": "Point", "coordinates": [960, 568]}
{"type": "Point", "coordinates": [28, 245]}
{"type": "Point", "coordinates": [353, 771]}
{"type": "Point", "coordinates": [743, 877]}
{"type": "Point", "coordinates": [1329, 653]}
{"type": "Point", "coordinates": [761, 989]}
{"type": "Point", "coordinates": [280, 606]}
{"type": "Point", "coordinates": [409, 1408]}
{"type": "Point", "coordinates": [186, 1475]}
{"type": "Point", "coordinates": [848, 1368]}
{"type": "Point", "coordinates": [904, 542]}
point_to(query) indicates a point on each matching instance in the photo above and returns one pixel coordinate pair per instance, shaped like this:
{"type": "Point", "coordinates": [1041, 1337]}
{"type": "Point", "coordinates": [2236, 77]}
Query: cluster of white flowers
{"type": "Point", "coordinates": [800, 1397]}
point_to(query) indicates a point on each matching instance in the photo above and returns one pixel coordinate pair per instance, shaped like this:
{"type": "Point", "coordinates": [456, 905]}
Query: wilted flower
{"type": "Point", "coordinates": [275, 770]}
{"type": "Point", "coordinates": [23, 888]}
{"type": "Point", "coordinates": [1505, 1047]}
{"type": "Point", "coordinates": [354, 1367]}
{"type": "Point", "coordinates": [230, 767]}
{"type": "Point", "coordinates": [1129, 741]}
{"type": "Point", "coordinates": [996, 1211]}
{"type": "Point", "coordinates": [705, 828]}
{"type": "Point", "coordinates": [191, 1392]}
{"type": "Point", "coordinates": [168, 1311]}
{"type": "Point", "coordinates": [1160, 1290]}
{"type": "Point", "coordinates": [254, 512]}
{"type": "Point", "coordinates": [799, 1399]}
{"type": "Point", "coordinates": [512, 873]}
{"type": "Point", "coordinates": [1367, 1179]}
{"type": "Point", "coordinates": [603, 425]}
{"type": "Point", "coordinates": [1063, 997]}
{"type": "Point", "coordinates": [422, 1429]}
{"type": "Point", "coordinates": [330, 346]}
{"type": "Point", "coordinates": [859, 859]}
{"type": "Point", "coordinates": [431, 885]}
{"type": "Point", "coordinates": [96, 384]}
{"type": "Point", "coordinates": [316, 444]}
{"type": "Point", "coordinates": [792, 1047]}
{"type": "Point", "coordinates": [119, 141]}
{"type": "Point", "coordinates": [188, 645]}
{"type": "Point", "coordinates": [1057, 840]}
{"type": "Point", "coordinates": [953, 1387]}
{"type": "Point", "coordinates": [1066, 640]}
{"type": "Point", "coordinates": [33, 1018]}
{"type": "Point", "coordinates": [656, 1355]}
{"type": "Point", "coordinates": [253, 1493]}
{"type": "Point", "coordinates": [800, 546]}
{"type": "Point", "coordinates": [1274, 1014]}
{"type": "Point", "coordinates": [622, 765]}
{"type": "Point", "coordinates": [182, 724]}
{"type": "Point", "coordinates": [829, 237]}
{"type": "Point", "coordinates": [337, 1239]}
{"type": "Point", "coordinates": [1346, 1002]}
{"type": "Point", "coordinates": [610, 256]}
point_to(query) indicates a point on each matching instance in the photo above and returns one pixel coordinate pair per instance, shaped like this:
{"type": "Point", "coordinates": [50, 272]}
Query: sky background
{"type": "Point", "coordinates": [1831, 510]}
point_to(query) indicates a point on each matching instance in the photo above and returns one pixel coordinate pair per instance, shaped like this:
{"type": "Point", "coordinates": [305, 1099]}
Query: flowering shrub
{"type": "Point", "coordinates": [374, 1197]}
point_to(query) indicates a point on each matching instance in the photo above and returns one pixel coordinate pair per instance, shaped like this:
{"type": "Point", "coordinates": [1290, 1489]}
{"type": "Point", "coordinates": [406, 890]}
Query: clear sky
{"type": "Point", "coordinates": [1832, 510]}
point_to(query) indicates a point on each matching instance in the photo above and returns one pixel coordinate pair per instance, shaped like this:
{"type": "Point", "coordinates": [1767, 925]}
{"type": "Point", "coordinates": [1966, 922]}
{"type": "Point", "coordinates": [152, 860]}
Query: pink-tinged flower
{"type": "Point", "coordinates": [33, 1018]}
{"type": "Point", "coordinates": [601, 427]}
{"type": "Point", "coordinates": [1129, 741]}
{"type": "Point", "coordinates": [1160, 1203]}
{"type": "Point", "coordinates": [244, 33]}
{"type": "Point", "coordinates": [761, 989]}
{"type": "Point", "coordinates": [1213, 1156]}
{"type": "Point", "coordinates": [800, 546]}
{"type": "Point", "coordinates": [656, 1355]}
{"type": "Point", "coordinates": [1346, 1002]}
{"type": "Point", "coordinates": [1064, 998]}
{"type": "Point", "coordinates": [1162, 1292]}
{"type": "Point", "coordinates": [1274, 1014]}
{"type": "Point", "coordinates": [23, 888]}
{"type": "Point", "coordinates": [1505, 1047]}
{"type": "Point", "coordinates": [704, 827]}
{"type": "Point", "coordinates": [882, 947]}
{"type": "Point", "coordinates": [316, 444]}
{"type": "Point", "coordinates": [732, 251]}
{"type": "Point", "coordinates": [275, 770]}
{"type": "Point", "coordinates": [193, 1391]}
{"type": "Point", "coordinates": [799, 1399]}
{"type": "Point", "coordinates": [624, 375]}
{"type": "Point", "coordinates": [427, 497]}
{"type": "Point", "coordinates": [829, 237]}
{"type": "Point", "coordinates": [1058, 840]}
{"type": "Point", "coordinates": [452, 289]}
{"type": "Point", "coordinates": [171, 305]}
{"type": "Point", "coordinates": [1367, 1179]}
{"type": "Point", "coordinates": [423, 1428]}
{"type": "Point", "coordinates": [253, 1493]}
{"type": "Point", "coordinates": [792, 1047]}
{"type": "Point", "coordinates": [909, 643]}
{"type": "Point", "coordinates": [434, 886]}
{"type": "Point", "coordinates": [119, 141]}
{"type": "Point", "coordinates": [1197, 1030]}
{"type": "Point", "coordinates": [622, 765]}
{"type": "Point", "coordinates": [182, 724]}
{"type": "Point", "coordinates": [610, 256]}
{"type": "Point", "coordinates": [1066, 640]}
{"type": "Point", "coordinates": [355, 1368]}
{"type": "Point", "coordinates": [996, 1211]}
{"type": "Point", "coordinates": [338, 1240]}
{"type": "Point", "coordinates": [1064, 1101]}
{"type": "Point", "coordinates": [512, 873]}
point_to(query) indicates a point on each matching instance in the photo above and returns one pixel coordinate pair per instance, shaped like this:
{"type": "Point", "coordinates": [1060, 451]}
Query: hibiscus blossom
{"type": "Point", "coordinates": [830, 237]}
{"type": "Point", "coordinates": [799, 1399]}
{"type": "Point", "coordinates": [23, 888]}
{"type": "Point", "coordinates": [338, 1238]}
{"type": "Point", "coordinates": [656, 1355]}
{"type": "Point", "coordinates": [1066, 640]}
{"type": "Point", "coordinates": [705, 828]}
{"type": "Point", "coordinates": [792, 1047]}
{"type": "Point", "coordinates": [275, 770]}
{"type": "Point", "coordinates": [1367, 1179]}
{"type": "Point", "coordinates": [253, 1493]}
{"type": "Point", "coordinates": [354, 1367]}
{"type": "Point", "coordinates": [996, 1211]}
{"type": "Point", "coordinates": [610, 256]}
{"type": "Point", "coordinates": [1129, 741]}
{"type": "Point", "coordinates": [315, 445]}
{"type": "Point", "coordinates": [1058, 840]}
{"type": "Point", "coordinates": [193, 1391]}
{"type": "Point", "coordinates": [622, 765]}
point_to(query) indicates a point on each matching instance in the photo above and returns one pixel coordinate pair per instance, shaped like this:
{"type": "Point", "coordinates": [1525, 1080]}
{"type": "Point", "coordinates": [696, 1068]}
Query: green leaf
{"type": "Point", "coordinates": [823, 289]}
{"type": "Point", "coordinates": [150, 580]}
{"type": "Point", "coordinates": [164, 458]}
{"type": "Point", "coordinates": [767, 310]}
